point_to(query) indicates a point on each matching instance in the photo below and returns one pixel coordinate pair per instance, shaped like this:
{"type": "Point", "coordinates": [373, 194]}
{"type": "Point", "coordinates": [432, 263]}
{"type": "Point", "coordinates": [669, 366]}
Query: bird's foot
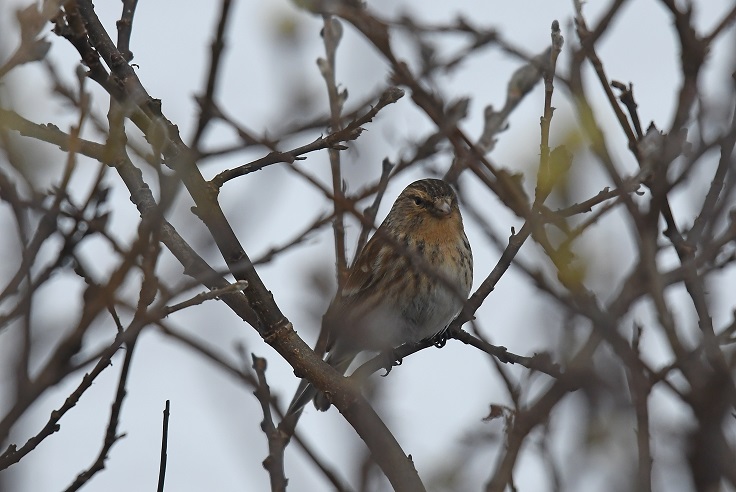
{"type": "Point", "coordinates": [440, 339]}
{"type": "Point", "coordinates": [391, 359]}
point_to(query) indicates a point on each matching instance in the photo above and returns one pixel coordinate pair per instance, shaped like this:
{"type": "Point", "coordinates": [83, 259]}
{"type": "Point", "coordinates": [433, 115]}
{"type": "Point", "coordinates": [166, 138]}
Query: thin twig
{"type": "Point", "coordinates": [277, 441]}
{"type": "Point", "coordinates": [333, 140]}
{"type": "Point", "coordinates": [249, 379]}
{"type": "Point", "coordinates": [111, 435]}
{"type": "Point", "coordinates": [125, 28]}
{"type": "Point", "coordinates": [371, 212]}
{"type": "Point", "coordinates": [331, 35]}
{"type": "Point", "coordinates": [237, 286]}
{"type": "Point", "coordinates": [206, 101]}
{"type": "Point", "coordinates": [164, 447]}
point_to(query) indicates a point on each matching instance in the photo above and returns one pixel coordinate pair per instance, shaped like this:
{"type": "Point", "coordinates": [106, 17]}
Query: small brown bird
{"type": "Point", "coordinates": [406, 285]}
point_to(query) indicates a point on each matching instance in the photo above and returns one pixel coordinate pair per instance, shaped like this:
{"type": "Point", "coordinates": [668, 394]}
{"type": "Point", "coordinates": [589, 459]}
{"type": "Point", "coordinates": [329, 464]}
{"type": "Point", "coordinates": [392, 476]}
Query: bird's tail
{"type": "Point", "coordinates": [306, 391]}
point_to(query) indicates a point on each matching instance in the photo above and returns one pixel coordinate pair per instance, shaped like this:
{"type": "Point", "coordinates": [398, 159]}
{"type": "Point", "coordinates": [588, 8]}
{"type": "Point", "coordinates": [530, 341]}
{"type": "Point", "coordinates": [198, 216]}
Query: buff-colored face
{"type": "Point", "coordinates": [426, 211]}
{"type": "Point", "coordinates": [428, 196]}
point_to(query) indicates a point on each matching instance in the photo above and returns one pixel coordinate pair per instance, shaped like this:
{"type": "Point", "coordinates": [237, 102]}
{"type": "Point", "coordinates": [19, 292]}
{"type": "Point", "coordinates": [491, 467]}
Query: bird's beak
{"type": "Point", "coordinates": [443, 206]}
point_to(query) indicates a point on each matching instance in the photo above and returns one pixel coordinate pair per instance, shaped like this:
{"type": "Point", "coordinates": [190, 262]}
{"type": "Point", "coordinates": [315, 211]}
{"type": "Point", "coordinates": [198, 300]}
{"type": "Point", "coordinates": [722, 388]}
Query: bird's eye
{"type": "Point", "coordinates": [417, 200]}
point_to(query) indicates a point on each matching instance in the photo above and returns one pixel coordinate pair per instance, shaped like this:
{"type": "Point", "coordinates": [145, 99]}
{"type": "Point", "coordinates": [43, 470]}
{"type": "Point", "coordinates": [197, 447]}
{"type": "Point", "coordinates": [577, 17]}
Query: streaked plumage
{"type": "Point", "coordinates": [406, 285]}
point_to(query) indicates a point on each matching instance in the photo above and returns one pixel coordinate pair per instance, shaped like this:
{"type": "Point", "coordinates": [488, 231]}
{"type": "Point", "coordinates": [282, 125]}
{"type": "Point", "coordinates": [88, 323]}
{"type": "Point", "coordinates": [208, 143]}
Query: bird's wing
{"type": "Point", "coordinates": [359, 295]}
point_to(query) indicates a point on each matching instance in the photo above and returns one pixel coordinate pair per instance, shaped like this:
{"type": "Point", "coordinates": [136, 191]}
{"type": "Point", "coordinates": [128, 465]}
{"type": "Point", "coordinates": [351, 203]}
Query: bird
{"type": "Point", "coordinates": [406, 285]}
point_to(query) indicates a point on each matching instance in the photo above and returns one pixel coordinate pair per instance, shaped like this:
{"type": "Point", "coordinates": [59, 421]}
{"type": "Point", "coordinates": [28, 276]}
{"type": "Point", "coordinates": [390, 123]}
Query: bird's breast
{"type": "Point", "coordinates": [441, 285]}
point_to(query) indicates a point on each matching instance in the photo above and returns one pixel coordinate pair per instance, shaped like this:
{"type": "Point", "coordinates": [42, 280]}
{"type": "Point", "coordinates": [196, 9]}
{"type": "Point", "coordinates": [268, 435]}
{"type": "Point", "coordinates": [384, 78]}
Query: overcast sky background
{"type": "Point", "coordinates": [214, 439]}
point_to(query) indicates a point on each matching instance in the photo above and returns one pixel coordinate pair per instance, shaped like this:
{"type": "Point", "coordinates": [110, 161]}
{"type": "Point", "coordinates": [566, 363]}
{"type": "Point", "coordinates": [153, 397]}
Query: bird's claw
{"type": "Point", "coordinates": [440, 339]}
{"type": "Point", "coordinates": [392, 359]}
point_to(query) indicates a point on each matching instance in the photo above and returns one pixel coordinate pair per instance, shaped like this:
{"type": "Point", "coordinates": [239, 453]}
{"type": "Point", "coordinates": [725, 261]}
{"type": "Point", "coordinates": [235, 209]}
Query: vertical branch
{"type": "Point", "coordinates": [206, 102]}
{"type": "Point", "coordinates": [639, 389]}
{"type": "Point", "coordinates": [164, 448]}
{"type": "Point", "coordinates": [331, 35]}
{"type": "Point", "coordinates": [371, 212]}
{"type": "Point", "coordinates": [125, 28]}
{"type": "Point", "coordinates": [544, 174]}
{"type": "Point", "coordinates": [23, 364]}
{"type": "Point", "coordinates": [277, 440]}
